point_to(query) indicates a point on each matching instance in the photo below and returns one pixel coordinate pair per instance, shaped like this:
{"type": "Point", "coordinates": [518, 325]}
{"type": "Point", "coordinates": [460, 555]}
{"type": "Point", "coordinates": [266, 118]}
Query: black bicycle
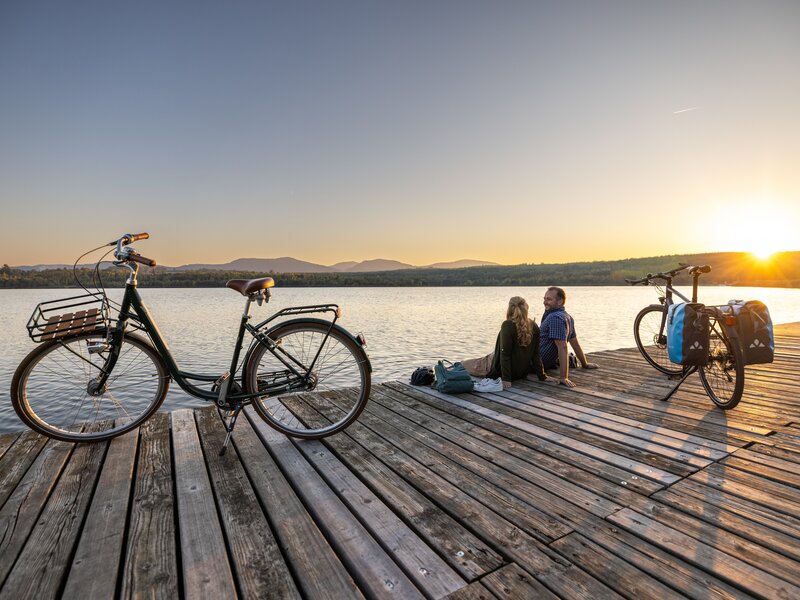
{"type": "Point", "coordinates": [723, 374]}
{"type": "Point", "coordinates": [103, 368]}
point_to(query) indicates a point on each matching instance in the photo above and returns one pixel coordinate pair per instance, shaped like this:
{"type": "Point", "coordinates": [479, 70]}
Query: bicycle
{"type": "Point", "coordinates": [723, 374]}
{"type": "Point", "coordinates": [104, 368]}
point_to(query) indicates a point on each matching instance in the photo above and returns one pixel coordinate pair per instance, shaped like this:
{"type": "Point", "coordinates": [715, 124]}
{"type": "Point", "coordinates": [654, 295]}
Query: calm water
{"type": "Point", "coordinates": [404, 327]}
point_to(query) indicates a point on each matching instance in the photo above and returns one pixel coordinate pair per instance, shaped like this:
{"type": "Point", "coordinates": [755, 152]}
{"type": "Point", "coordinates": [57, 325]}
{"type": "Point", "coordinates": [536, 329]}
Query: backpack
{"type": "Point", "coordinates": [753, 328]}
{"type": "Point", "coordinates": [688, 334]}
{"type": "Point", "coordinates": [422, 376]}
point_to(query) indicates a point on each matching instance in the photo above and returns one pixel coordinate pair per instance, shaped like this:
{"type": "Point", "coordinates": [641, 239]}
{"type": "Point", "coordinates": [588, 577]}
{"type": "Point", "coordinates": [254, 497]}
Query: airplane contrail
{"type": "Point", "coordinates": [677, 112]}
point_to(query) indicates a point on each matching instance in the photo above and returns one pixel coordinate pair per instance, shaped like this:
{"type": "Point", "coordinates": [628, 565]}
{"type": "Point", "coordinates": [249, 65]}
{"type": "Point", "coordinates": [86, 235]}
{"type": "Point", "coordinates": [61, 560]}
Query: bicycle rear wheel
{"type": "Point", "coordinates": [52, 390]}
{"type": "Point", "coordinates": [650, 333]}
{"type": "Point", "coordinates": [332, 387]}
{"type": "Point", "coordinates": [723, 376]}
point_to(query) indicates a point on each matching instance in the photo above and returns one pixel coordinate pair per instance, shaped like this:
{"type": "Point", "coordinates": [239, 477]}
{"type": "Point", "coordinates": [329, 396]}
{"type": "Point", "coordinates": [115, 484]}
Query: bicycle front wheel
{"type": "Point", "coordinates": [324, 374]}
{"type": "Point", "coordinates": [650, 332]}
{"type": "Point", "coordinates": [54, 390]}
{"type": "Point", "coordinates": [723, 376]}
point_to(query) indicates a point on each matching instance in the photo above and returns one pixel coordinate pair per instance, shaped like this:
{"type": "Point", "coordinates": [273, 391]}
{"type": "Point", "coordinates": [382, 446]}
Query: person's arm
{"type": "Point", "coordinates": [576, 346]}
{"type": "Point", "coordinates": [563, 363]}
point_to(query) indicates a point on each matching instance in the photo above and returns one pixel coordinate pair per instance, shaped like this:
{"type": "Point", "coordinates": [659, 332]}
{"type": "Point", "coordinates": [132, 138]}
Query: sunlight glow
{"type": "Point", "coordinates": [761, 227]}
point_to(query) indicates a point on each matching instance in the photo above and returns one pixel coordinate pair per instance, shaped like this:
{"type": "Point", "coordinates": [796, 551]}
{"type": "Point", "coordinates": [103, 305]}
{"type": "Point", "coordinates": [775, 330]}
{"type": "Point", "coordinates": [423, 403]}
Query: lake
{"type": "Point", "coordinates": [404, 327]}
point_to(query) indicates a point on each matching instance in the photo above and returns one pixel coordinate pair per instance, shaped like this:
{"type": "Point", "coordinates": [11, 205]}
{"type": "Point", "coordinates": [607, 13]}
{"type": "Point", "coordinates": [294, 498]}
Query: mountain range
{"type": "Point", "coordinates": [287, 264]}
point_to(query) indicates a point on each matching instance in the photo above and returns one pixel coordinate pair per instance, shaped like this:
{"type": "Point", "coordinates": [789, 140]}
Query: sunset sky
{"type": "Point", "coordinates": [419, 131]}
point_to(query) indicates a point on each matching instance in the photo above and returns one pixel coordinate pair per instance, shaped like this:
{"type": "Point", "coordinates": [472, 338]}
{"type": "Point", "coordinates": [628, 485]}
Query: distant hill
{"type": "Point", "coordinates": [729, 268]}
{"type": "Point", "coordinates": [461, 264]}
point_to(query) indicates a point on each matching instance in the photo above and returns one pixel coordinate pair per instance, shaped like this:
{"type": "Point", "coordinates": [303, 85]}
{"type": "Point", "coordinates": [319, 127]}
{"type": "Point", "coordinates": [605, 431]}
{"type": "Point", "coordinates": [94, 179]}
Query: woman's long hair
{"type": "Point", "coordinates": [518, 313]}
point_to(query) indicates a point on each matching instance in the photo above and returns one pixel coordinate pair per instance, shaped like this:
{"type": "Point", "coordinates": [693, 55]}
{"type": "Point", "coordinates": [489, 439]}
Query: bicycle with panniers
{"type": "Point", "coordinates": [681, 338]}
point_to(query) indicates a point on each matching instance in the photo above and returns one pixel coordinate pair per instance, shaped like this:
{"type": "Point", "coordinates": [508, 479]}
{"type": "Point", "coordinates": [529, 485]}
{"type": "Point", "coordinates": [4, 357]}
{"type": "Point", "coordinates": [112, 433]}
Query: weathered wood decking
{"type": "Point", "coordinates": [537, 492]}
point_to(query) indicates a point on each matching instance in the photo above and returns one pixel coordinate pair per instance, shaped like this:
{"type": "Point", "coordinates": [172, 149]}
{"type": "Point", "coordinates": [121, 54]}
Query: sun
{"type": "Point", "coordinates": [761, 228]}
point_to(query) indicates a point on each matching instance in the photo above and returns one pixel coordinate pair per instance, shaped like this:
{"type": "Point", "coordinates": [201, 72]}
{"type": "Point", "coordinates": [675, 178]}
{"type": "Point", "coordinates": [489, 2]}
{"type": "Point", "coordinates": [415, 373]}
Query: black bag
{"type": "Point", "coordinates": [753, 329]}
{"type": "Point", "coordinates": [688, 335]}
{"type": "Point", "coordinates": [422, 376]}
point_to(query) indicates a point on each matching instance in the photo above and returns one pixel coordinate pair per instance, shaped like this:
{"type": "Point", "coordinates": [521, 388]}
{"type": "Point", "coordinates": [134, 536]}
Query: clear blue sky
{"type": "Point", "coordinates": [418, 131]}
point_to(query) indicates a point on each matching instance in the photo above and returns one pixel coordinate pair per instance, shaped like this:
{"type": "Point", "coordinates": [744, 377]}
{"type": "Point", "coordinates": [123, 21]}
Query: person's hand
{"type": "Point", "coordinates": [589, 365]}
{"type": "Point", "coordinates": [506, 384]}
{"type": "Point", "coordinates": [567, 382]}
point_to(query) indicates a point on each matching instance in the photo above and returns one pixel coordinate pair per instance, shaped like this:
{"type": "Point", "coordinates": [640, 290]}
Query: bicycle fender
{"type": "Point", "coordinates": [307, 320]}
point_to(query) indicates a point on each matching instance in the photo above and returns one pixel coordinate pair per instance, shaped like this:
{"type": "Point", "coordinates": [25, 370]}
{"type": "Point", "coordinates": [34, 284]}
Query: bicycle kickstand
{"type": "Point", "coordinates": [231, 423]}
{"type": "Point", "coordinates": [686, 372]}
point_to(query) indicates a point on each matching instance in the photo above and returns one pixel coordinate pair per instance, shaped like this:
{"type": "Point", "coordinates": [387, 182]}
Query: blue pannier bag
{"type": "Point", "coordinates": [753, 327]}
{"type": "Point", "coordinates": [687, 334]}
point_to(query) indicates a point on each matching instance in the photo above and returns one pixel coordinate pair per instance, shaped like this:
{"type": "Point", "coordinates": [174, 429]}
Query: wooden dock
{"type": "Point", "coordinates": [537, 492]}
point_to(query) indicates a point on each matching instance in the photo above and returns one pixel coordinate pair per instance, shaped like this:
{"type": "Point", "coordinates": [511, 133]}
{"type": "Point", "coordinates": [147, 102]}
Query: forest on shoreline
{"type": "Point", "coordinates": [728, 268]}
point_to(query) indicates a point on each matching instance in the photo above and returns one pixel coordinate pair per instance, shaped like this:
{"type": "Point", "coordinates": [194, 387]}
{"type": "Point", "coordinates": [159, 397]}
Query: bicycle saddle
{"type": "Point", "coordinates": [249, 286]}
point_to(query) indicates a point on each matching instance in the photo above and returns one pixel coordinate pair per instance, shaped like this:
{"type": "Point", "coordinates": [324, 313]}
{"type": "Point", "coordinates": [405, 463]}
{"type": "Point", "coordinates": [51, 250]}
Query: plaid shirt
{"type": "Point", "coordinates": [557, 324]}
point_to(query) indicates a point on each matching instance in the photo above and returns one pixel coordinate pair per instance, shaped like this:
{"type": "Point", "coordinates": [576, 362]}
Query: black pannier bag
{"type": "Point", "coordinates": [753, 327]}
{"type": "Point", "coordinates": [688, 334]}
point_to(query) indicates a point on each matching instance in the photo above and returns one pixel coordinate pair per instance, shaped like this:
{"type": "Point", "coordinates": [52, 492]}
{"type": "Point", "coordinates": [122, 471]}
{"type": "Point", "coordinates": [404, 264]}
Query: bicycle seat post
{"type": "Point", "coordinates": [695, 278]}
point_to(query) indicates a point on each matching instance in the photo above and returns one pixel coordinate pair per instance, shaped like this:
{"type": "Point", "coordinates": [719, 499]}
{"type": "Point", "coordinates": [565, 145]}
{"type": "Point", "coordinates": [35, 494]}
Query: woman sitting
{"type": "Point", "coordinates": [516, 352]}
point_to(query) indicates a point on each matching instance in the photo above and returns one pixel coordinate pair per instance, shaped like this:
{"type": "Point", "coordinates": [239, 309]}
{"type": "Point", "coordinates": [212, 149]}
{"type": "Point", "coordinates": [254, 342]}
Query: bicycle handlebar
{"type": "Point", "coordinates": [142, 259]}
{"type": "Point", "coordinates": [667, 275]}
{"type": "Point", "coordinates": [128, 254]}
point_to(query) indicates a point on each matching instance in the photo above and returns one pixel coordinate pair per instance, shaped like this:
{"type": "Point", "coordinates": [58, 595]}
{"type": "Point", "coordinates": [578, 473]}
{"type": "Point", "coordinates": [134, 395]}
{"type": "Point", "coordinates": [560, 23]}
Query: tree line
{"type": "Point", "coordinates": [730, 268]}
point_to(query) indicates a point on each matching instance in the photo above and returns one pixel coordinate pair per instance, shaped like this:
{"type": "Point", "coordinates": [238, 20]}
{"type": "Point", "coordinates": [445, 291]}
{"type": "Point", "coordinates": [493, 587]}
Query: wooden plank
{"type": "Point", "coordinates": [721, 516]}
{"type": "Point", "coordinates": [318, 571]}
{"type": "Point", "coordinates": [374, 571]}
{"type": "Point", "coordinates": [462, 550]}
{"type": "Point", "coordinates": [663, 566]}
{"type": "Point", "coordinates": [638, 465]}
{"type": "Point", "coordinates": [6, 441]}
{"type": "Point", "coordinates": [748, 509]}
{"type": "Point", "coordinates": [510, 541]}
{"type": "Point", "coordinates": [150, 567]}
{"type": "Point", "coordinates": [512, 490]}
{"type": "Point", "coordinates": [772, 457]}
{"type": "Point", "coordinates": [258, 565]}
{"type": "Point", "coordinates": [765, 470]}
{"type": "Point", "coordinates": [21, 511]}
{"type": "Point", "coordinates": [417, 559]}
{"type": "Point", "coordinates": [769, 493]}
{"type": "Point", "coordinates": [555, 458]}
{"type": "Point", "coordinates": [40, 569]}
{"type": "Point", "coordinates": [473, 591]}
{"type": "Point", "coordinates": [705, 556]}
{"type": "Point", "coordinates": [512, 582]}
{"type": "Point", "coordinates": [615, 572]}
{"type": "Point", "coordinates": [17, 459]}
{"type": "Point", "coordinates": [204, 559]}
{"type": "Point", "coordinates": [100, 546]}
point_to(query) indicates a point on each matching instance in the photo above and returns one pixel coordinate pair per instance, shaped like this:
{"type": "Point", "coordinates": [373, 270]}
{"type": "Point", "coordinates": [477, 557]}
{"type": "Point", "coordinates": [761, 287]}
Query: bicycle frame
{"type": "Point", "coordinates": [134, 309]}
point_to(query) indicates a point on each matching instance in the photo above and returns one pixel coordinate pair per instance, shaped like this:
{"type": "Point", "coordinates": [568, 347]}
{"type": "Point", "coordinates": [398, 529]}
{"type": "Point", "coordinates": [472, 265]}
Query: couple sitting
{"type": "Point", "coordinates": [523, 350]}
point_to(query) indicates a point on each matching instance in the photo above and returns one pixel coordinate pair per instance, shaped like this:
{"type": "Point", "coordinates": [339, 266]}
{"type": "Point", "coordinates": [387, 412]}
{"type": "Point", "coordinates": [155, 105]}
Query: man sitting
{"type": "Point", "coordinates": [556, 330]}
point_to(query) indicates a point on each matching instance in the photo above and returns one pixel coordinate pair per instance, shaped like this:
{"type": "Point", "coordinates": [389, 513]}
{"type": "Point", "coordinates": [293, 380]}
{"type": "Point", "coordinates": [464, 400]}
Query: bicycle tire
{"type": "Point", "coordinates": [723, 376]}
{"type": "Point", "coordinates": [651, 340]}
{"type": "Point", "coordinates": [339, 384]}
{"type": "Point", "coordinates": [49, 390]}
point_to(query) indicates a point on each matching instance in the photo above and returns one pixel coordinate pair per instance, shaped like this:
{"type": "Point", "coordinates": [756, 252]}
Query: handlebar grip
{"type": "Point", "coordinates": [142, 259]}
{"type": "Point", "coordinates": [135, 237]}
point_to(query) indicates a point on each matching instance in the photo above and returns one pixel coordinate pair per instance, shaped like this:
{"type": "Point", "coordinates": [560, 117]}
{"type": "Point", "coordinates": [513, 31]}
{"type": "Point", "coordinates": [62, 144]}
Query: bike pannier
{"type": "Point", "coordinates": [754, 330]}
{"type": "Point", "coordinates": [687, 334]}
{"type": "Point", "coordinates": [453, 379]}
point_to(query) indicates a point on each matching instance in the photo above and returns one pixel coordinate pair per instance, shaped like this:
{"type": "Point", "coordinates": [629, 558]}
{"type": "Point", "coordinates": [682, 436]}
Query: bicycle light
{"type": "Point", "coordinates": [361, 339]}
